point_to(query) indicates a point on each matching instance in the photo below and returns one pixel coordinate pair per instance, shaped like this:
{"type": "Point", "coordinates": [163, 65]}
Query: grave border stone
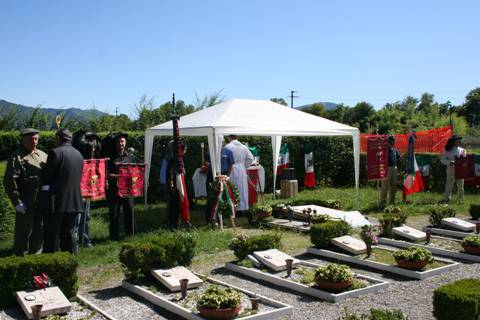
{"type": "Point", "coordinates": [419, 275]}
{"type": "Point", "coordinates": [282, 310]}
{"type": "Point", "coordinates": [449, 233]}
{"type": "Point", "coordinates": [305, 289]}
{"type": "Point", "coordinates": [436, 251]}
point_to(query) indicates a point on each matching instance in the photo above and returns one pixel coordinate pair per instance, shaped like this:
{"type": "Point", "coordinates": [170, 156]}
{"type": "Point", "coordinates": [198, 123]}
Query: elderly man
{"type": "Point", "coordinates": [389, 185]}
{"type": "Point", "coordinates": [21, 183]}
{"type": "Point", "coordinates": [61, 181]}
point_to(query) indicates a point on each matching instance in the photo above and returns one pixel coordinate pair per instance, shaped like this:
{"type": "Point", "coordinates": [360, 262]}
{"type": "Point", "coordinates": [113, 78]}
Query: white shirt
{"type": "Point", "coordinates": [449, 156]}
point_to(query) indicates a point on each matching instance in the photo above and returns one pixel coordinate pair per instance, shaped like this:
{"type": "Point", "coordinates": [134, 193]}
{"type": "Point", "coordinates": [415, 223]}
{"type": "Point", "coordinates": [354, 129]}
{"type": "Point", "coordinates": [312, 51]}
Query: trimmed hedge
{"type": "Point", "coordinates": [459, 300]}
{"type": "Point", "coordinates": [322, 233]}
{"type": "Point", "coordinates": [438, 212]}
{"type": "Point", "coordinates": [162, 250]}
{"type": "Point", "coordinates": [244, 245]}
{"type": "Point", "coordinates": [392, 217]}
{"type": "Point", "coordinates": [16, 273]}
{"type": "Point", "coordinates": [7, 211]}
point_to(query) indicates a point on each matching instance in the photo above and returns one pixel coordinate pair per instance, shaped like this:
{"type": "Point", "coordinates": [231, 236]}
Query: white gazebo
{"type": "Point", "coordinates": [252, 118]}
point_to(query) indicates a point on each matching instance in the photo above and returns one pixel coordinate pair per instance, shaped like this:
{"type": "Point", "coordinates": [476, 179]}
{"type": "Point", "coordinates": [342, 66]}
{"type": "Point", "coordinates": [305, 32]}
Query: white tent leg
{"type": "Point", "coordinates": [276, 144]}
{"type": "Point", "coordinates": [356, 160]}
{"type": "Point", "coordinates": [148, 160]}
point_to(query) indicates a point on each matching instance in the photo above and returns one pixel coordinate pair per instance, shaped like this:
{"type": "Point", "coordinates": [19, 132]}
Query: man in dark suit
{"type": "Point", "coordinates": [61, 181]}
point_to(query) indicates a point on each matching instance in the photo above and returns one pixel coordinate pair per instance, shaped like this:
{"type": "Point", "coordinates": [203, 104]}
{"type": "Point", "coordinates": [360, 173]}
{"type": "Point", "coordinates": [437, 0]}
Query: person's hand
{"type": "Point", "coordinates": [20, 208]}
{"type": "Point", "coordinates": [452, 163]}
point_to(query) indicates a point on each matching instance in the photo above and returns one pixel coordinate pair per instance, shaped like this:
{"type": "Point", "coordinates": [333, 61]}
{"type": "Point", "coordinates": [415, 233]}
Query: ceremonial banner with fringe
{"type": "Point", "coordinates": [93, 180]}
{"type": "Point", "coordinates": [377, 158]}
{"type": "Point", "coordinates": [131, 177]}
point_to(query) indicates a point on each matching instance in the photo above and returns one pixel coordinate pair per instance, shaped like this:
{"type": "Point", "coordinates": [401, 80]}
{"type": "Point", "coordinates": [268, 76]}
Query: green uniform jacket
{"type": "Point", "coordinates": [21, 180]}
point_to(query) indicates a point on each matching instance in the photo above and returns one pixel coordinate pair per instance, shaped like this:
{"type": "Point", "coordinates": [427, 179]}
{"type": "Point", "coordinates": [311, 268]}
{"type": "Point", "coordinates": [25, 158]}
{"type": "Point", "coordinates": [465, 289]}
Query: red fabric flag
{"type": "Point", "coordinates": [93, 180]}
{"type": "Point", "coordinates": [131, 178]}
{"type": "Point", "coordinates": [377, 158]}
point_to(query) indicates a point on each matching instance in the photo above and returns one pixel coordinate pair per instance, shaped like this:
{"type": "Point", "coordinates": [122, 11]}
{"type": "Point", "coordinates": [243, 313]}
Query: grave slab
{"type": "Point", "coordinates": [170, 278]}
{"type": "Point", "coordinates": [52, 299]}
{"type": "Point", "coordinates": [286, 224]}
{"type": "Point", "coordinates": [458, 224]}
{"type": "Point", "coordinates": [350, 244]}
{"type": "Point", "coordinates": [353, 218]}
{"type": "Point", "coordinates": [274, 259]}
{"type": "Point", "coordinates": [410, 233]}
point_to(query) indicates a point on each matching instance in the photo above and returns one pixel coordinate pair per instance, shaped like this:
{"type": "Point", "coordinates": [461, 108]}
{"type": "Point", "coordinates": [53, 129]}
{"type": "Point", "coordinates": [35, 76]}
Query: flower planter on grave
{"type": "Point", "coordinates": [472, 250]}
{"type": "Point", "coordinates": [411, 265]}
{"type": "Point", "coordinates": [333, 286]}
{"type": "Point", "coordinates": [220, 314]}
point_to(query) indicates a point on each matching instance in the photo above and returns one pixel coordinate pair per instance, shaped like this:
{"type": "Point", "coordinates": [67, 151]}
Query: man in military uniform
{"type": "Point", "coordinates": [21, 183]}
{"type": "Point", "coordinates": [115, 203]}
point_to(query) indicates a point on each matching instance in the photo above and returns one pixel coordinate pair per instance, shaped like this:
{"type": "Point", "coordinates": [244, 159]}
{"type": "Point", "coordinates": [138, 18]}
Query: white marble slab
{"type": "Point", "coordinates": [52, 299]}
{"type": "Point", "coordinates": [170, 278]}
{"type": "Point", "coordinates": [353, 218]}
{"type": "Point", "coordinates": [350, 244]}
{"type": "Point", "coordinates": [410, 233]}
{"type": "Point", "coordinates": [458, 224]}
{"type": "Point", "coordinates": [275, 259]}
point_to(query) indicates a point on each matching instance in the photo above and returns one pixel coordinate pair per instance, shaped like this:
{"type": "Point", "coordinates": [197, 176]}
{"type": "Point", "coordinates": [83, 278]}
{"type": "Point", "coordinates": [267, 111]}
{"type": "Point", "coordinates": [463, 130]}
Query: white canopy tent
{"type": "Point", "coordinates": [252, 118]}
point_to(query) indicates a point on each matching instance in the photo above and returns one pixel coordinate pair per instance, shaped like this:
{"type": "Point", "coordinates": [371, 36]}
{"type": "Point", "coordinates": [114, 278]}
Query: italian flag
{"type": "Point", "coordinates": [283, 159]}
{"type": "Point", "coordinates": [413, 181]}
{"type": "Point", "coordinates": [309, 171]}
{"type": "Point", "coordinates": [255, 153]}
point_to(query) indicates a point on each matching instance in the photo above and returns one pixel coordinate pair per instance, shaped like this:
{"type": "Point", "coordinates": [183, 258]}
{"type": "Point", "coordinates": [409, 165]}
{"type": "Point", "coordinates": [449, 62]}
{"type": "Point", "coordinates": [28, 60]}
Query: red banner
{"type": "Point", "coordinates": [131, 177]}
{"type": "Point", "coordinates": [93, 180]}
{"type": "Point", "coordinates": [465, 167]}
{"type": "Point", "coordinates": [377, 158]}
{"type": "Point", "coordinates": [429, 141]}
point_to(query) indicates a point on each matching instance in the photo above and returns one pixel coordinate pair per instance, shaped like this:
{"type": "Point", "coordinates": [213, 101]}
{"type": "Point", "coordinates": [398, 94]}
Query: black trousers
{"type": "Point", "coordinates": [173, 208]}
{"type": "Point", "coordinates": [115, 204]}
{"type": "Point", "coordinates": [59, 231]}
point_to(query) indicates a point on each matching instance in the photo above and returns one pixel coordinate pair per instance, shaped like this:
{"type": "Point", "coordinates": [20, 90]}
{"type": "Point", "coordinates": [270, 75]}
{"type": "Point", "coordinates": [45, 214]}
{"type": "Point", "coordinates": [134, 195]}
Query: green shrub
{"type": "Point", "coordinates": [459, 300]}
{"type": "Point", "coordinates": [216, 298]}
{"type": "Point", "coordinates": [16, 273]}
{"type": "Point", "coordinates": [438, 212]}
{"type": "Point", "coordinates": [321, 234]}
{"type": "Point", "coordinates": [261, 211]}
{"type": "Point", "coordinates": [413, 254]}
{"type": "Point", "coordinates": [471, 241]}
{"type": "Point", "coordinates": [163, 250]}
{"type": "Point", "coordinates": [392, 217]}
{"type": "Point", "coordinates": [7, 212]}
{"type": "Point", "coordinates": [244, 245]}
{"type": "Point", "coordinates": [334, 273]}
{"type": "Point", "coordinates": [375, 314]}
{"type": "Point", "coordinates": [474, 211]}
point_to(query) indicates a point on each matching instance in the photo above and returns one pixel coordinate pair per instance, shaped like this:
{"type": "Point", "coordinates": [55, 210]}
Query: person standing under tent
{"type": "Point", "coordinates": [243, 158]}
{"type": "Point", "coordinates": [452, 149]}
{"type": "Point", "coordinates": [389, 185]}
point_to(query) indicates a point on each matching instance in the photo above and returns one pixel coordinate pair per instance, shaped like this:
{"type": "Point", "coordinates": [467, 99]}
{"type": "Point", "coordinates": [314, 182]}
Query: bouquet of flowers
{"type": "Point", "coordinates": [368, 235]}
{"type": "Point", "coordinates": [41, 281]}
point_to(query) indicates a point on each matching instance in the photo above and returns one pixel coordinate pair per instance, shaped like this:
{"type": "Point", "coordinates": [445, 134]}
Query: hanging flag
{"type": "Point", "coordinates": [377, 158]}
{"type": "Point", "coordinates": [413, 181]}
{"type": "Point", "coordinates": [283, 159]}
{"type": "Point", "coordinates": [256, 154]}
{"type": "Point", "coordinates": [309, 171]}
{"type": "Point", "coordinates": [92, 184]}
{"type": "Point", "coordinates": [131, 180]}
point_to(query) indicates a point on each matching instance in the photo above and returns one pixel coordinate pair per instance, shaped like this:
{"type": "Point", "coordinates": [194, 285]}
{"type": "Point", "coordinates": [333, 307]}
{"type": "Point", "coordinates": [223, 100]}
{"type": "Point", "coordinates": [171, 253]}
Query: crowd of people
{"type": "Point", "coordinates": [45, 190]}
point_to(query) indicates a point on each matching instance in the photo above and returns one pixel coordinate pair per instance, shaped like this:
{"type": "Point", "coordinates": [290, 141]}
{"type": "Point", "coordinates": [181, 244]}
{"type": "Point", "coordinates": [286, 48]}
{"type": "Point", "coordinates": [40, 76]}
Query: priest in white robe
{"type": "Point", "coordinates": [243, 159]}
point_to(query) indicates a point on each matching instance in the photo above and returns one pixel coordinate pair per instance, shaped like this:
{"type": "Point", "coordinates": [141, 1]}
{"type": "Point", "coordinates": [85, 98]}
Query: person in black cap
{"type": "Point", "coordinates": [452, 149]}
{"type": "Point", "coordinates": [21, 182]}
{"type": "Point", "coordinates": [114, 201]}
{"type": "Point", "coordinates": [61, 183]}
{"type": "Point", "coordinates": [389, 185]}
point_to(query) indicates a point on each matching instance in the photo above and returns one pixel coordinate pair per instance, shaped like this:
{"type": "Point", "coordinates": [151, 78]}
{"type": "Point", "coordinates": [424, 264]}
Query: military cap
{"type": "Point", "coordinates": [29, 131]}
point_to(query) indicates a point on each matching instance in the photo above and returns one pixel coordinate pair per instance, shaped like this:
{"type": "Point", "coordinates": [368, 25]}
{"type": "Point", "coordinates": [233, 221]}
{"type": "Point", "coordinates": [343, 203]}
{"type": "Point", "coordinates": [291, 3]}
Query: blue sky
{"type": "Point", "coordinates": [109, 53]}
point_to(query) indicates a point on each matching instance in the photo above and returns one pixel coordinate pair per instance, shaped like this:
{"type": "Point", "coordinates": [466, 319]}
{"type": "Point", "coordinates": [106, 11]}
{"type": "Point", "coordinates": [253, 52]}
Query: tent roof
{"type": "Point", "coordinates": [253, 117]}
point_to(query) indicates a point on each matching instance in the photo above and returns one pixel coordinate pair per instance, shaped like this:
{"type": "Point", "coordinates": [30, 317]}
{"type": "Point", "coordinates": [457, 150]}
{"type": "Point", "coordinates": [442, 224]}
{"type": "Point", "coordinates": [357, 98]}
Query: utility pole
{"type": "Point", "coordinates": [291, 98]}
{"type": "Point", "coordinates": [116, 111]}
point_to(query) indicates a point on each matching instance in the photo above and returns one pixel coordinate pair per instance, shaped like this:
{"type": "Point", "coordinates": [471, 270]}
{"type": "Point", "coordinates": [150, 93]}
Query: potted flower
{"type": "Point", "coordinates": [262, 211]}
{"type": "Point", "coordinates": [368, 236]}
{"type": "Point", "coordinates": [333, 277]}
{"type": "Point", "coordinates": [413, 258]}
{"type": "Point", "coordinates": [471, 244]}
{"type": "Point", "coordinates": [216, 303]}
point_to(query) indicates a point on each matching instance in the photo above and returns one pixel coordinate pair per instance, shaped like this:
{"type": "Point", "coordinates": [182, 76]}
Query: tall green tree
{"type": "Point", "coordinates": [471, 108]}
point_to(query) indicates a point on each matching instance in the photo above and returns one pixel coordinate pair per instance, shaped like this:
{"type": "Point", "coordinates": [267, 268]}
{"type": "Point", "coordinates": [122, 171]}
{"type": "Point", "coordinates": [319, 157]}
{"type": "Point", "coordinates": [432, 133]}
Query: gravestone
{"type": "Point", "coordinates": [275, 259]}
{"type": "Point", "coordinates": [350, 244]}
{"type": "Point", "coordinates": [170, 278]}
{"type": "Point", "coordinates": [52, 299]}
{"type": "Point", "coordinates": [410, 233]}
{"type": "Point", "coordinates": [458, 224]}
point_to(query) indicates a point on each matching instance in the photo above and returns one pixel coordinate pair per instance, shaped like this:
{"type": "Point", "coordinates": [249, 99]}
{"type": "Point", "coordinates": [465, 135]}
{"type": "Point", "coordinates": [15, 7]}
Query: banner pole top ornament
{"type": "Point", "coordinates": [58, 121]}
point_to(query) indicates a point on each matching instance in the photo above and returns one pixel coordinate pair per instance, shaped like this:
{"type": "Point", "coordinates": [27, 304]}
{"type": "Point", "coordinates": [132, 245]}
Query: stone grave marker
{"type": "Point", "coordinates": [275, 259]}
{"type": "Point", "coordinates": [52, 299]}
{"type": "Point", "coordinates": [410, 233]}
{"type": "Point", "coordinates": [458, 224]}
{"type": "Point", "coordinates": [350, 244]}
{"type": "Point", "coordinates": [170, 278]}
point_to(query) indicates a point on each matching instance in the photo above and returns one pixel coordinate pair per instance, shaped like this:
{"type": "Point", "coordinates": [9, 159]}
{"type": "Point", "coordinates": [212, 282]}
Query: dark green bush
{"type": "Point", "coordinates": [459, 300]}
{"type": "Point", "coordinates": [474, 211]}
{"type": "Point", "coordinates": [438, 212]}
{"type": "Point", "coordinates": [392, 217]}
{"type": "Point", "coordinates": [162, 250]}
{"type": "Point", "coordinates": [244, 245]}
{"type": "Point", "coordinates": [16, 273]}
{"type": "Point", "coordinates": [7, 212]}
{"type": "Point", "coordinates": [375, 314]}
{"type": "Point", "coordinates": [321, 234]}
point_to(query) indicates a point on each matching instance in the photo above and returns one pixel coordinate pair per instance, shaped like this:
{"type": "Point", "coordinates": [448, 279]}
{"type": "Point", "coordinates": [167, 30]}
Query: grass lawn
{"type": "Point", "coordinates": [99, 266]}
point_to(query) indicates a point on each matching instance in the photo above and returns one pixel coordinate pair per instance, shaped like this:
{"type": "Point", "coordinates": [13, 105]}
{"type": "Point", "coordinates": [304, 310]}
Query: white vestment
{"type": "Point", "coordinates": [199, 184]}
{"type": "Point", "coordinates": [243, 159]}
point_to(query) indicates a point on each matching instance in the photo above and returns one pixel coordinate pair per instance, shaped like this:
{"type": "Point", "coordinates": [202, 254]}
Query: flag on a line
{"type": "Point", "coordinates": [413, 181]}
{"type": "Point", "coordinates": [309, 170]}
{"type": "Point", "coordinates": [283, 159]}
